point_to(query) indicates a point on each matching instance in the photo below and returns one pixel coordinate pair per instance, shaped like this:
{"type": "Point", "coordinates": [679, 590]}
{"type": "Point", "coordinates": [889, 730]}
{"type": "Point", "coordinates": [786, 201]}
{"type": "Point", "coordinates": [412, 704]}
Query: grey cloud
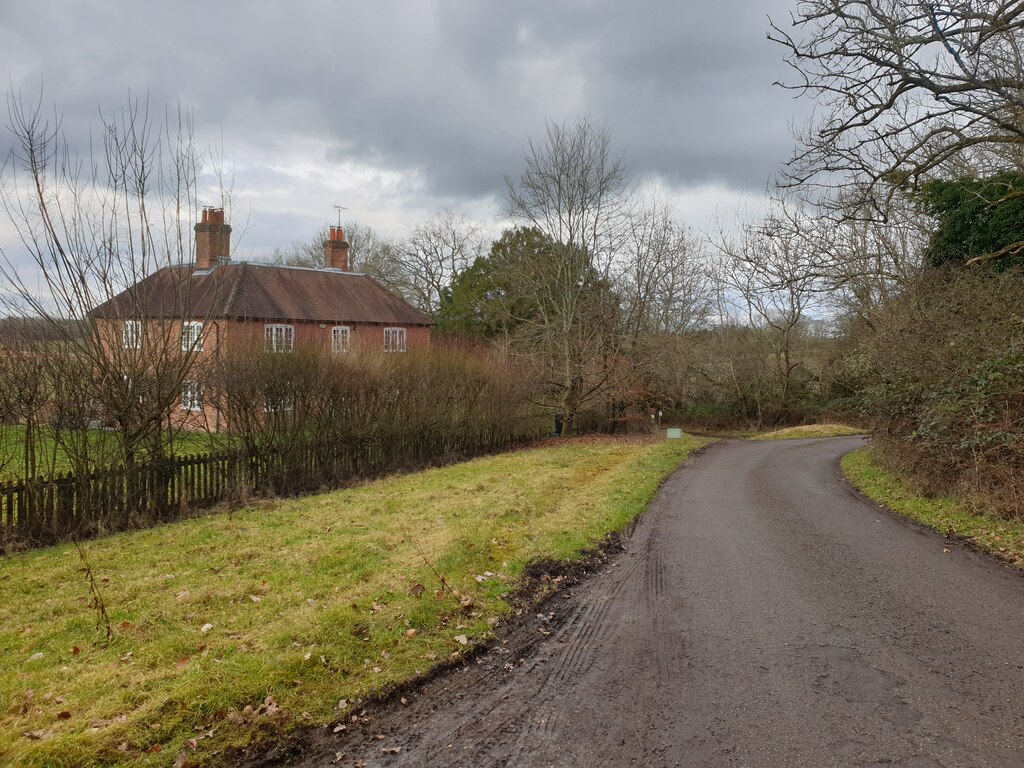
{"type": "Point", "coordinates": [449, 89]}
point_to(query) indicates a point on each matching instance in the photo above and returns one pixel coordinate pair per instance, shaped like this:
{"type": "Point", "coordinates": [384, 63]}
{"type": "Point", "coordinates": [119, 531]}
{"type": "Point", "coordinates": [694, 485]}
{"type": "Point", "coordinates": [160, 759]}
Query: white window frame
{"type": "Point", "coordinates": [284, 405]}
{"type": "Point", "coordinates": [191, 396]}
{"type": "Point", "coordinates": [394, 340]}
{"type": "Point", "coordinates": [191, 336]}
{"type": "Point", "coordinates": [131, 336]}
{"type": "Point", "coordinates": [341, 338]}
{"type": "Point", "coordinates": [278, 337]}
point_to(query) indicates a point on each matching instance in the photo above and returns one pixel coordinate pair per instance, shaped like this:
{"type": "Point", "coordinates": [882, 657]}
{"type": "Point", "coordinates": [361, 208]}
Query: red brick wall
{"type": "Point", "coordinates": [363, 336]}
{"type": "Point", "coordinates": [224, 334]}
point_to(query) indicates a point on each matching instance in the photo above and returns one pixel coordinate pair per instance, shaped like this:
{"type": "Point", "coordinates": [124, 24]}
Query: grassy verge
{"type": "Point", "coordinates": [809, 430]}
{"type": "Point", "coordinates": [1002, 538]}
{"type": "Point", "coordinates": [231, 627]}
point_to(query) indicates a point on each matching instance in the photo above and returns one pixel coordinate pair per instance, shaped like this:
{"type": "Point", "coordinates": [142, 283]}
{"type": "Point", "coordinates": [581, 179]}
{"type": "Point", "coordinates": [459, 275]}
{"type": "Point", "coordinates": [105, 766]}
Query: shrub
{"type": "Point", "coordinates": [944, 388]}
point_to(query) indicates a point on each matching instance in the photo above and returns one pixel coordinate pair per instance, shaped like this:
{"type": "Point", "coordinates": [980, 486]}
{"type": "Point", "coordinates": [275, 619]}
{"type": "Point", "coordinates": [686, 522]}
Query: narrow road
{"type": "Point", "coordinates": [763, 614]}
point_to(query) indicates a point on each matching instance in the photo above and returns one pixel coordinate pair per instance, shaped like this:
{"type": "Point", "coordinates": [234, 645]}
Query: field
{"type": "Point", "coordinates": [231, 627]}
{"type": "Point", "coordinates": [51, 458]}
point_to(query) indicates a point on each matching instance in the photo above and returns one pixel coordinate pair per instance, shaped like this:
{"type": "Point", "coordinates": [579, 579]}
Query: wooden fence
{"type": "Point", "coordinates": [45, 511]}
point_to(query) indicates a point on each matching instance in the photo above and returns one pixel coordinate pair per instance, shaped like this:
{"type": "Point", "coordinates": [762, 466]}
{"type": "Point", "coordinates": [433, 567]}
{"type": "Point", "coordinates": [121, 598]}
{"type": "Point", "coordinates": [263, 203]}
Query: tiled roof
{"type": "Point", "coordinates": [248, 291]}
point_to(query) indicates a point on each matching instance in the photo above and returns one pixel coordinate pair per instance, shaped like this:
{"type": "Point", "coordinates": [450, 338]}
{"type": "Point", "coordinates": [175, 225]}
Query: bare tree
{"type": "Point", "coordinates": [867, 260]}
{"type": "Point", "coordinates": [92, 228]}
{"type": "Point", "coordinates": [575, 191]}
{"type": "Point", "coordinates": [662, 274]}
{"type": "Point", "coordinates": [305, 254]}
{"type": "Point", "coordinates": [434, 254]}
{"type": "Point", "coordinates": [375, 255]}
{"type": "Point", "coordinates": [908, 89]}
{"type": "Point", "coordinates": [369, 252]}
{"type": "Point", "coordinates": [770, 277]}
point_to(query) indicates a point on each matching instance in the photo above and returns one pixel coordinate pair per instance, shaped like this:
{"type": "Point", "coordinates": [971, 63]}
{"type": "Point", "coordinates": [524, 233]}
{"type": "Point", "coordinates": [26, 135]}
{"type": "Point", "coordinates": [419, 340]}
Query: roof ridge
{"type": "Point", "coordinates": [327, 270]}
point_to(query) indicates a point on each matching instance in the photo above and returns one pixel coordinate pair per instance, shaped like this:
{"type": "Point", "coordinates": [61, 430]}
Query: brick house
{"type": "Point", "coordinates": [215, 304]}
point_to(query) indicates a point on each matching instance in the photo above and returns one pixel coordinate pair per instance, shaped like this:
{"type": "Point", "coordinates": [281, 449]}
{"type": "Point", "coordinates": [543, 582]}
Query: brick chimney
{"type": "Point", "coordinates": [213, 239]}
{"type": "Point", "coordinates": [336, 250]}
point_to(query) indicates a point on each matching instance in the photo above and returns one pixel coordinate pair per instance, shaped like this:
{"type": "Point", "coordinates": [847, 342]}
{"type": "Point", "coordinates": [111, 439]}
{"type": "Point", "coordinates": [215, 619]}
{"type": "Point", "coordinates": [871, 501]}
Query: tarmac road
{"type": "Point", "coordinates": [762, 614]}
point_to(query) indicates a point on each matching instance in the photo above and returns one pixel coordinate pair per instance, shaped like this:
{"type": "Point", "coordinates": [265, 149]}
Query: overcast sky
{"type": "Point", "coordinates": [399, 109]}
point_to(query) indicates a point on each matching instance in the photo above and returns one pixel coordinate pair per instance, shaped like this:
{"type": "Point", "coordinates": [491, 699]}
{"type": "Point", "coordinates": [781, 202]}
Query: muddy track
{"type": "Point", "coordinates": [761, 613]}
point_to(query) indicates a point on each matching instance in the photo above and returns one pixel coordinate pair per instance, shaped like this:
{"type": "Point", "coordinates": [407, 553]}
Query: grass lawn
{"type": "Point", "coordinates": [228, 627]}
{"type": "Point", "coordinates": [52, 459]}
{"type": "Point", "coordinates": [809, 430]}
{"type": "Point", "coordinates": [1002, 538]}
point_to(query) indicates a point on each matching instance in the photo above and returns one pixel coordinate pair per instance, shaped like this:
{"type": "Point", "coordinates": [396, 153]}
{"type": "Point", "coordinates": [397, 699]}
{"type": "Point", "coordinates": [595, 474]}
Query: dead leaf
{"type": "Point", "coordinates": [404, 701]}
{"type": "Point", "coordinates": [181, 597]}
{"type": "Point", "coordinates": [126, 625]}
{"type": "Point", "coordinates": [378, 670]}
{"type": "Point", "coordinates": [375, 606]}
{"type": "Point", "coordinates": [416, 590]}
{"type": "Point", "coordinates": [75, 650]}
{"type": "Point", "coordinates": [439, 594]}
{"type": "Point", "coordinates": [390, 750]}
{"type": "Point", "coordinates": [255, 598]}
{"type": "Point", "coordinates": [411, 632]}
{"type": "Point", "coordinates": [339, 727]}
{"type": "Point", "coordinates": [36, 656]}
{"type": "Point", "coordinates": [461, 639]}
{"type": "Point", "coordinates": [945, 551]}
{"type": "Point", "coordinates": [154, 749]}
{"type": "Point", "coordinates": [206, 628]}
{"type": "Point", "coordinates": [181, 663]}
{"type": "Point", "coordinates": [65, 715]}
{"type": "Point", "coordinates": [37, 735]}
